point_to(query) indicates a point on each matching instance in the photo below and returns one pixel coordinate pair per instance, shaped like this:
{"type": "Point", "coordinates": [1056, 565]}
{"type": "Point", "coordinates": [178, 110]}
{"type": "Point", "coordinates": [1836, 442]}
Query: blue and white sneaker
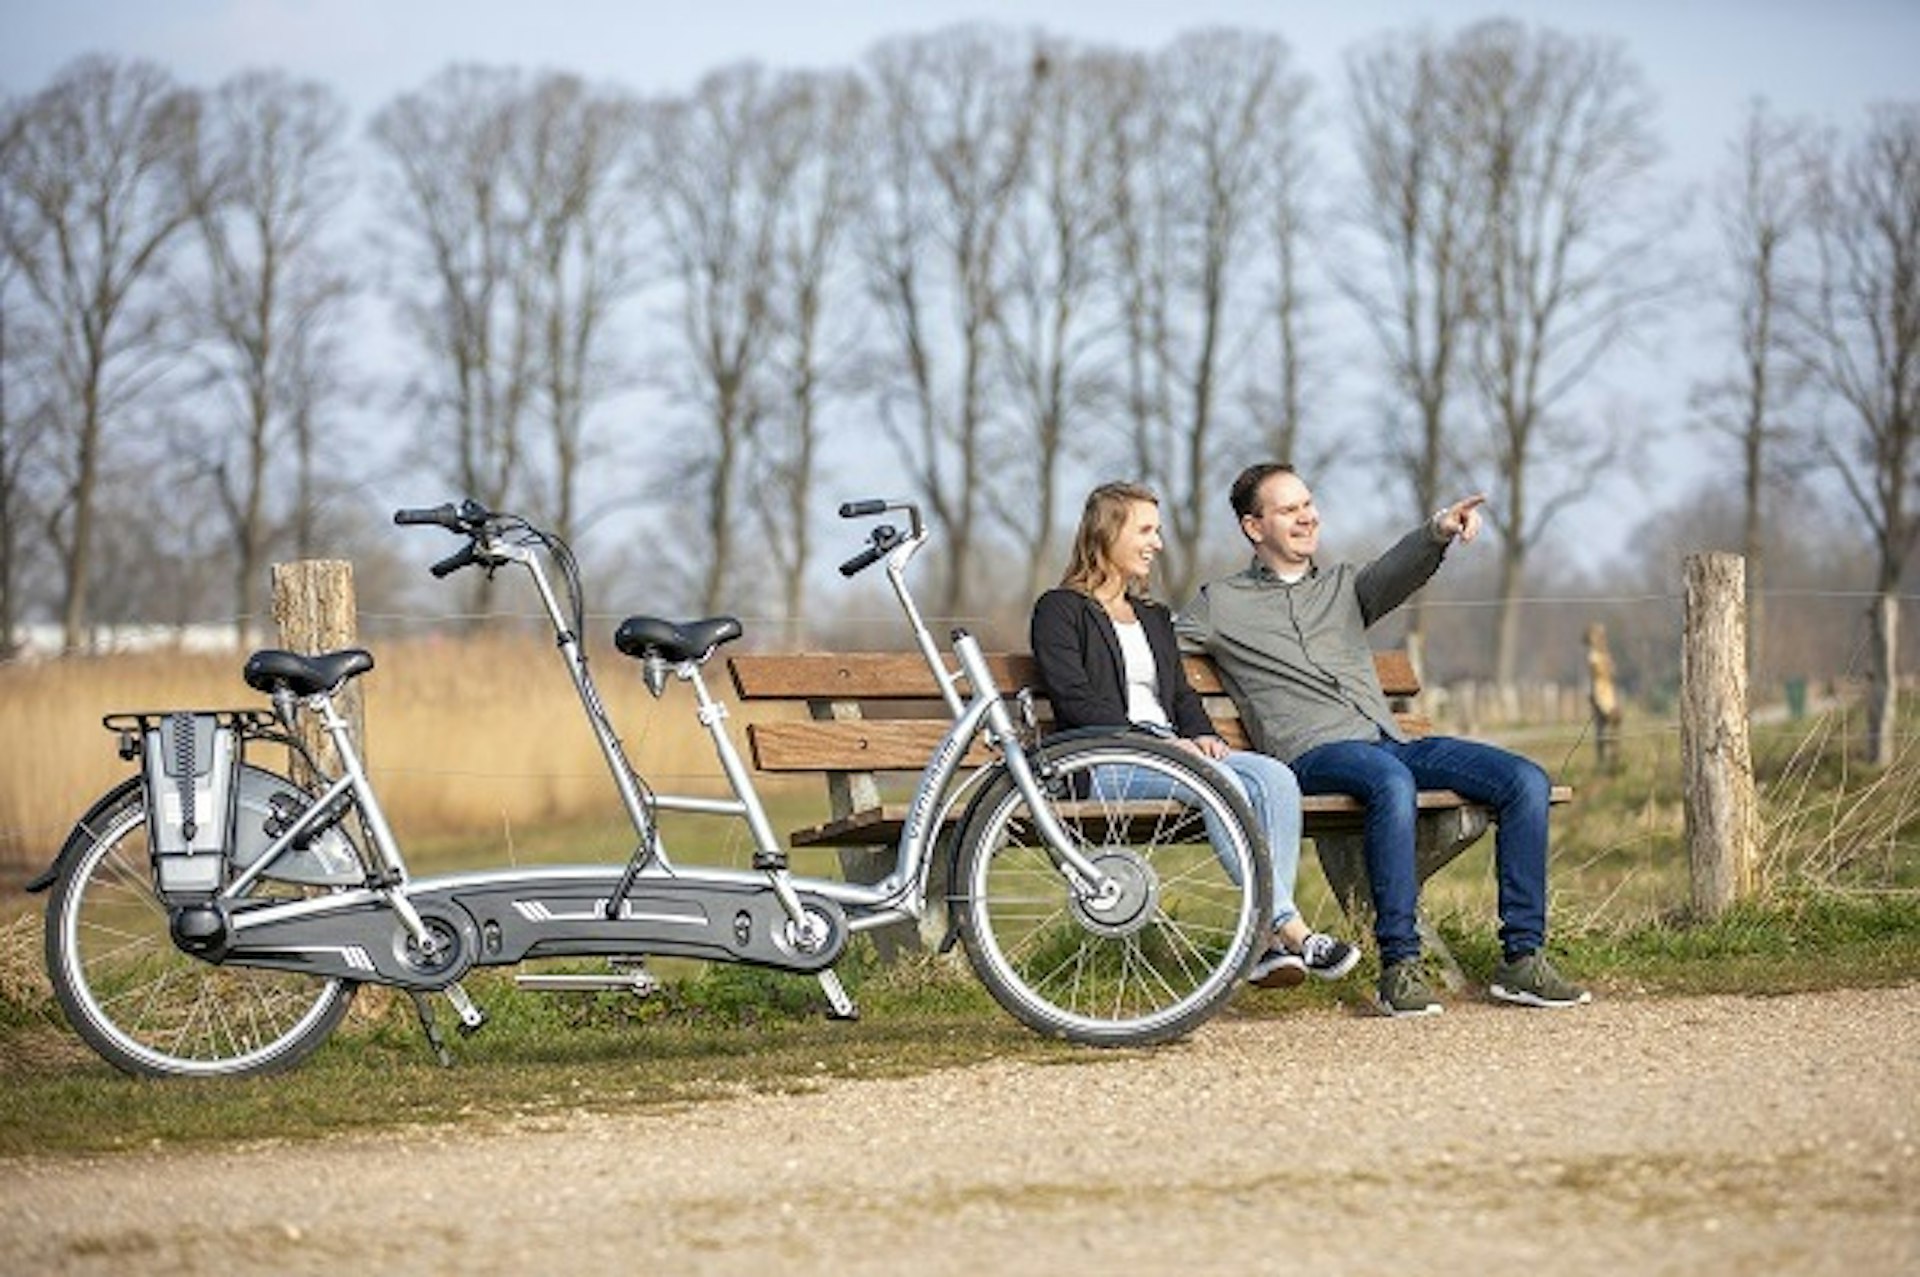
{"type": "Point", "coordinates": [1328, 957]}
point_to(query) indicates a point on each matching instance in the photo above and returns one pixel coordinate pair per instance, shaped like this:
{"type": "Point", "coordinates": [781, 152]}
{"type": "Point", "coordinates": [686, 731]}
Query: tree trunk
{"type": "Point", "coordinates": [314, 607]}
{"type": "Point", "coordinates": [1714, 748]}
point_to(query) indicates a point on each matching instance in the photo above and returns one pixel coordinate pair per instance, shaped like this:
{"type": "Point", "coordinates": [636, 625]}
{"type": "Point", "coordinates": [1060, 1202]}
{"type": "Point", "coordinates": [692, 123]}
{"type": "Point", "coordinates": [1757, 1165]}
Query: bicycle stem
{"type": "Point", "coordinates": [929, 650]}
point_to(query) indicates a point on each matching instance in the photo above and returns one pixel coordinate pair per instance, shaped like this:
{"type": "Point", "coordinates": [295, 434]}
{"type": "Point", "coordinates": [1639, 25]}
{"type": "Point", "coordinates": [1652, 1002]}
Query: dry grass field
{"type": "Point", "coordinates": [478, 742]}
{"type": "Point", "coordinates": [482, 755]}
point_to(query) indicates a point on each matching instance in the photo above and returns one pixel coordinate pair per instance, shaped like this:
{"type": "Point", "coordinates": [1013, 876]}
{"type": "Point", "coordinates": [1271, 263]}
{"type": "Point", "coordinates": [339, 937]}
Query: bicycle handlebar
{"type": "Point", "coordinates": [883, 538]}
{"type": "Point", "coordinates": [465, 556]}
{"type": "Point", "coordinates": [442, 515]}
{"type": "Point", "coordinates": [469, 519]}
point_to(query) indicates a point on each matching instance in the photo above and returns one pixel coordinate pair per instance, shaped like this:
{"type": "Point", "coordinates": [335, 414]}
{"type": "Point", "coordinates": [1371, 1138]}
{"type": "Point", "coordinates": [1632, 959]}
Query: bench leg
{"type": "Point", "coordinates": [1439, 837]}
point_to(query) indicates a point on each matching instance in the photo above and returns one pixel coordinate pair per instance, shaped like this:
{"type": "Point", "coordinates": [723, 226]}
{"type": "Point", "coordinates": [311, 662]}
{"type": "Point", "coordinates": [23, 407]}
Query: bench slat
{"type": "Point", "coordinates": [1325, 813]}
{"type": "Point", "coordinates": [904, 744]}
{"type": "Point", "coordinates": [869, 676]}
{"type": "Point", "coordinates": [859, 676]}
{"type": "Point", "coordinates": [851, 745]}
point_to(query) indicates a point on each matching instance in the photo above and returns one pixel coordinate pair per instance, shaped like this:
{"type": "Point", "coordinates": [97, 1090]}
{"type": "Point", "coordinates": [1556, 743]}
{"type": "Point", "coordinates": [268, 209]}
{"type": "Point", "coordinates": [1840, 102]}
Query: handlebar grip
{"type": "Point", "coordinates": [463, 557]}
{"type": "Point", "coordinates": [443, 515]}
{"type": "Point", "coordinates": [861, 561]}
{"type": "Point", "coordinates": [861, 509]}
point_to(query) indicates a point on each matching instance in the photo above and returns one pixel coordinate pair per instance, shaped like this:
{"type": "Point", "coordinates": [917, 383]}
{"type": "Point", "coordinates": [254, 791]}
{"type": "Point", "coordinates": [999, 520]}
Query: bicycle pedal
{"type": "Point", "coordinates": [472, 1018]}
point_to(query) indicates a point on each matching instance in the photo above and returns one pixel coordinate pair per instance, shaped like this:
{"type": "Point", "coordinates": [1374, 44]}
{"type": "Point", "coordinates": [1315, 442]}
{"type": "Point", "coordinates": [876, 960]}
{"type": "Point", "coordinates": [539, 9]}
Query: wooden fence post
{"type": "Point", "coordinates": [1714, 748]}
{"type": "Point", "coordinates": [313, 605]}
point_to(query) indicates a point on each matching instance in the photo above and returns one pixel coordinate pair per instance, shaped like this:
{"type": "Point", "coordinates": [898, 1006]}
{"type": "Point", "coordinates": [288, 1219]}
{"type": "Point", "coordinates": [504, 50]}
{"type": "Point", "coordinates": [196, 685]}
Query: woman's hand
{"type": "Point", "coordinates": [1206, 746]}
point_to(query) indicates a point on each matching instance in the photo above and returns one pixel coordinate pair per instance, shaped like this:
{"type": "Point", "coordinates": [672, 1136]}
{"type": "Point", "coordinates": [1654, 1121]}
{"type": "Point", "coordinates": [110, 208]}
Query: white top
{"type": "Point", "coordinates": [1143, 701]}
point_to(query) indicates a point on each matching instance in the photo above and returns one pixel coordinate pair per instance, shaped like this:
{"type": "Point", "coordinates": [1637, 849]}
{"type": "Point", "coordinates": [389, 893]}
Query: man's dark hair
{"type": "Point", "coordinates": [1245, 493]}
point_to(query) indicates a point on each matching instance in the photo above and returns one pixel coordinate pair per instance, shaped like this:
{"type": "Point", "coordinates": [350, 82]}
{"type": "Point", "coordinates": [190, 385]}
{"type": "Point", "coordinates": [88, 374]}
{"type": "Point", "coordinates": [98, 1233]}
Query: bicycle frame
{"type": "Point", "coordinates": [649, 906]}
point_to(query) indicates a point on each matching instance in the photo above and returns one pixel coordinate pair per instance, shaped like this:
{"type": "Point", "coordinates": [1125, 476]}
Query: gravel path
{"type": "Point", "coordinates": [1642, 1136]}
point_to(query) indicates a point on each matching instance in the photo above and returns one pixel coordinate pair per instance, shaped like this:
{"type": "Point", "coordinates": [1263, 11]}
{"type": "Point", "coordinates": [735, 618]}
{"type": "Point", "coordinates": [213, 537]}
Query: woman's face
{"type": "Point", "coordinates": [1131, 553]}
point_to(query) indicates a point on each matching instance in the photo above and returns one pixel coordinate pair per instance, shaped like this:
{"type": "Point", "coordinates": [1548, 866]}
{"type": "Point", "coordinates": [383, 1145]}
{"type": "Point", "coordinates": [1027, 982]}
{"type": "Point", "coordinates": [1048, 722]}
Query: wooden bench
{"type": "Point", "coordinates": [868, 714]}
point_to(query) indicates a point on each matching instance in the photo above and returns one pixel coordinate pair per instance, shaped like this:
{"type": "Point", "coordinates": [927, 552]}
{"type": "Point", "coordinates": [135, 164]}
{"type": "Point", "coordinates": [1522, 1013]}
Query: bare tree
{"type": "Point", "coordinates": [954, 113]}
{"type": "Point", "coordinates": [1278, 389]}
{"type": "Point", "coordinates": [1413, 206]}
{"type": "Point", "coordinates": [718, 191]}
{"type": "Point", "coordinates": [18, 373]}
{"type": "Point", "coordinates": [1051, 341]}
{"type": "Point", "coordinates": [95, 169]}
{"type": "Point", "coordinates": [272, 179]}
{"type": "Point", "coordinates": [818, 120]}
{"type": "Point", "coordinates": [1864, 326]}
{"type": "Point", "coordinates": [573, 172]}
{"type": "Point", "coordinates": [1195, 155]}
{"type": "Point", "coordinates": [459, 243]}
{"type": "Point", "coordinates": [1763, 209]}
{"type": "Point", "coordinates": [1560, 145]}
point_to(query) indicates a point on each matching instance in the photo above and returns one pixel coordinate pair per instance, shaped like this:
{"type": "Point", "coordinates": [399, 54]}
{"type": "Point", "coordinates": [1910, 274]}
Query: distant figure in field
{"type": "Point", "coordinates": [1603, 699]}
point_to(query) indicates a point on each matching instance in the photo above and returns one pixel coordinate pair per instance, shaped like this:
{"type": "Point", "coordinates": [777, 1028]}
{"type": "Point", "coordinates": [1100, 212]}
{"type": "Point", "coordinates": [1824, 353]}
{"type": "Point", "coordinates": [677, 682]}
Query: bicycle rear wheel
{"type": "Point", "coordinates": [144, 1005]}
{"type": "Point", "coordinates": [1189, 904]}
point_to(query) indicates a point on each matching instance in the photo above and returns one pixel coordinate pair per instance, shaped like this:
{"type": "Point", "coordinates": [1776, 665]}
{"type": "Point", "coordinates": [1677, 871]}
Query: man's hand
{"type": "Point", "coordinates": [1461, 519]}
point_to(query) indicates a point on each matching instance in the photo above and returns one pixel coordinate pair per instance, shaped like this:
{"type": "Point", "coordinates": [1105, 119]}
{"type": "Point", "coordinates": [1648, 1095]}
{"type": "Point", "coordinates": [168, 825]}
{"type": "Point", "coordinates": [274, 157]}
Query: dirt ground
{"type": "Point", "coordinates": [1642, 1136]}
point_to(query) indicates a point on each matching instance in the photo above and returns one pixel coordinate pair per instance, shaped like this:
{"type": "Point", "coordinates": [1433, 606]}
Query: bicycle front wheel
{"type": "Point", "coordinates": [144, 1005]}
{"type": "Point", "coordinates": [1185, 909]}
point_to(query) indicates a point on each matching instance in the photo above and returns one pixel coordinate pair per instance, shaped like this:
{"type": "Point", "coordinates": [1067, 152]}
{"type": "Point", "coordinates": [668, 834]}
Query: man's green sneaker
{"type": "Point", "coordinates": [1531, 981]}
{"type": "Point", "coordinates": [1404, 991]}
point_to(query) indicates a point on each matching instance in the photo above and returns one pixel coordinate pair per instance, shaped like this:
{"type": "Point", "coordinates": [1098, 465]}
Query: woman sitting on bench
{"type": "Point", "coordinates": [1108, 657]}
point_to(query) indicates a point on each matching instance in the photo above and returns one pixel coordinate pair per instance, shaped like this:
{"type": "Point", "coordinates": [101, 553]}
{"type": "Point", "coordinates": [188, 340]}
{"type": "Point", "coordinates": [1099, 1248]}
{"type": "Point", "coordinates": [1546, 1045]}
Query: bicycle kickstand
{"type": "Point", "coordinates": [471, 1018]}
{"type": "Point", "coordinates": [840, 1004]}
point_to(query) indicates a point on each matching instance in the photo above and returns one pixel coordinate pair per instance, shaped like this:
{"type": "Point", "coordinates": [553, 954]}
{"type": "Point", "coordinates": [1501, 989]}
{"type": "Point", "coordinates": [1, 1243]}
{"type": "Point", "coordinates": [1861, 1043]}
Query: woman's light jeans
{"type": "Point", "coordinates": [1271, 792]}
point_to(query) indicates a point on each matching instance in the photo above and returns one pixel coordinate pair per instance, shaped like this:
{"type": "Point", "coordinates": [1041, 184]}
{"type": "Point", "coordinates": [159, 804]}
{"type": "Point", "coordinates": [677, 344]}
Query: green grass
{"type": "Point", "coordinates": [1837, 905]}
{"type": "Point", "coordinates": [725, 1031]}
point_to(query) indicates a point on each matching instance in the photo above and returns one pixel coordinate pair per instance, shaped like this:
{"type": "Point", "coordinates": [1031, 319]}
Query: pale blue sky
{"type": "Point", "coordinates": [1705, 59]}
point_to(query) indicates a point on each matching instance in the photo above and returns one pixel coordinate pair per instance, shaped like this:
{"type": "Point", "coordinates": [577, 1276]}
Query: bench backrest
{"type": "Point", "coordinates": [880, 711]}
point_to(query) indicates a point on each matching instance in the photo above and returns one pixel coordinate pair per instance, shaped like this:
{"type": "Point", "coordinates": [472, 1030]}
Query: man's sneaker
{"type": "Point", "coordinates": [1328, 957]}
{"type": "Point", "coordinates": [1403, 990]}
{"type": "Point", "coordinates": [1531, 981]}
{"type": "Point", "coordinates": [1278, 969]}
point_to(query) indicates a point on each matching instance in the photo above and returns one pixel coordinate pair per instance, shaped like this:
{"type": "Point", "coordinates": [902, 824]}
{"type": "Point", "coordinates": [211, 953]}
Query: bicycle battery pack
{"type": "Point", "coordinates": [189, 761]}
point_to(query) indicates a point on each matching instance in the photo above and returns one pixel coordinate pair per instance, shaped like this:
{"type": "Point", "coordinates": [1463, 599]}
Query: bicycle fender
{"type": "Point", "coordinates": [81, 836]}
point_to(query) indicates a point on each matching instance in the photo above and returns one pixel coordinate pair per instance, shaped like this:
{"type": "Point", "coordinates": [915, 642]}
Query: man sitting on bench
{"type": "Point", "coordinates": [1289, 638]}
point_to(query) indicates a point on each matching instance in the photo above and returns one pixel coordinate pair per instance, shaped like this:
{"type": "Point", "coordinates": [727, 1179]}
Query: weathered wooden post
{"type": "Point", "coordinates": [313, 606]}
{"type": "Point", "coordinates": [1714, 748]}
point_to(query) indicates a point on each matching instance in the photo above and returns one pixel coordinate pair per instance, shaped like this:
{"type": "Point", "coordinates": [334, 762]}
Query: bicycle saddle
{"type": "Point", "coordinates": [271, 669]}
{"type": "Point", "coordinates": [644, 636]}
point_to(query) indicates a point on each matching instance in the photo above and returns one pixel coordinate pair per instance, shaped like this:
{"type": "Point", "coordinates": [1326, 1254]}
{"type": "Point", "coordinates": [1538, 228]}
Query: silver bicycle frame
{"type": "Point", "coordinates": [899, 895]}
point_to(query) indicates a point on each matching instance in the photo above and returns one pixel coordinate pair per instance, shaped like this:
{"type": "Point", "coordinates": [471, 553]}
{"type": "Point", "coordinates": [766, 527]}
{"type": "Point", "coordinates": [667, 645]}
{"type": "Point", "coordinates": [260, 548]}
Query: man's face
{"type": "Point", "coordinates": [1285, 529]}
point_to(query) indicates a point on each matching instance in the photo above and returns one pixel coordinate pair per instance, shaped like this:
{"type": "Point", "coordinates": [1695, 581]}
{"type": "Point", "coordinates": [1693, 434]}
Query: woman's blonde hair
{"type": "Point", "coordinates": [1102, 520]}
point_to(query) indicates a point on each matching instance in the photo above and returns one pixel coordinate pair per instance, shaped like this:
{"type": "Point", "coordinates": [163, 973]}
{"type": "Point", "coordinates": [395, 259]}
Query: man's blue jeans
{"type": "Point", "coordinates": [1270, 790]}
{"type": "Point", "coordinates": [1387, 777]}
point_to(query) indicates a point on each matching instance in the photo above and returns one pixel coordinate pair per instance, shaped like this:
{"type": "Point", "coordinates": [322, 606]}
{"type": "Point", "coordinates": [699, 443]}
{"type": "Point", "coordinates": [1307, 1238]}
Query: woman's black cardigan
{"type": "Point", "coordinates": [1078, 652]}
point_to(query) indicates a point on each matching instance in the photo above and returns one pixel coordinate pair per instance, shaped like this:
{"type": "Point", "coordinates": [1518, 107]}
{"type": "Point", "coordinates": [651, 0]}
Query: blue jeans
{"type": "Point", "coordinates": [1270, 790]}
{"type": "Point", "coordinates": [1387, 776]}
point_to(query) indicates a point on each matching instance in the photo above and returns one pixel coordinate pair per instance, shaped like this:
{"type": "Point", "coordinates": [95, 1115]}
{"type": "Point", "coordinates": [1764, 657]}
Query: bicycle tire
{"type": "Point", "coordinates": [145, 1006]}
{"type": "Point", "coordinates": [1149, 968]}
